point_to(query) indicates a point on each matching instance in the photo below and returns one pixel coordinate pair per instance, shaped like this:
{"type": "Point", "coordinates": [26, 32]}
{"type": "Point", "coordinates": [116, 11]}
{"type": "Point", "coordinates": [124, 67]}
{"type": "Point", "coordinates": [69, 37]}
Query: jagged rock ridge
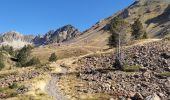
{"type": "Point", "coordinates": [57, 36]}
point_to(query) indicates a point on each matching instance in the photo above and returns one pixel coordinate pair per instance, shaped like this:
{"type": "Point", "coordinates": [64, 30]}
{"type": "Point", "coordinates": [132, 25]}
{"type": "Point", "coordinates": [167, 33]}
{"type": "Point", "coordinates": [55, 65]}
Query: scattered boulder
{"type": "Point", "coordinates": [138, 96]}
{"type": "Point", "coordinates": [166, 55]}
{"type": "Point", "coordinates": [153, 97]}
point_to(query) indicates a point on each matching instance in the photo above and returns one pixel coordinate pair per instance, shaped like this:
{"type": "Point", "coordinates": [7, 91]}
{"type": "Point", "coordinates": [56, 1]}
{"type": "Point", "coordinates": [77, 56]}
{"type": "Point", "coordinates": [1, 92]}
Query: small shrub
{"type": "Point", "coordinates": [18, 64]}
{"type": "Point", "coordinates": [145, 35]}
{"type": "Point", "coordinates": [53, 57]}
{"type": "Point", "coordinates": [133, 68]}
{"type": "Point", "coordinates": [167, 38]}
{"type": "Point", "coordinates": [8, 49]}
{"type": "Point", "coordinates": [33, 61]}
{"type": "Point", "coordinates": [166, 74]}
{"type": "Point", "coordinates": [2, 65]}
{"type": "Point", "coordinates": [13, 94]}
{"type": "Point", "coordinates": [13, 86]}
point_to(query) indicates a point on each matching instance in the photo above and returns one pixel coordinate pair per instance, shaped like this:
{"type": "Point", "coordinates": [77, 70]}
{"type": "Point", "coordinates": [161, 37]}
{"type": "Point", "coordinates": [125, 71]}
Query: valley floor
{"type": "Point", "coordinates": [90, 75]}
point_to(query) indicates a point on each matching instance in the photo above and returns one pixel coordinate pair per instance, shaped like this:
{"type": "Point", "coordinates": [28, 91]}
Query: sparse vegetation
{"type": "Point", "coordinates": [8, 49]}
{"type": "Point", "coordinates": [166, 74]}
{"type": "Point", "coordinates": [33, 61]}
{"type": "Point", "coordinates": [9, 91]}
{"type": "Point", "coordinates": [145, 35]}
{"type": "Point", "coordinates": [24, 57]}
{"type": "Point", "coordinates": [167, 38]}
{"type": "Point", "coordinates": [2, 65]}
{"type": "Point", "coordinates": [13, 86]}
{"type": "Point", "coordinates": [53, 57]}
{"type": "Point", "coordinates": [133, 68]}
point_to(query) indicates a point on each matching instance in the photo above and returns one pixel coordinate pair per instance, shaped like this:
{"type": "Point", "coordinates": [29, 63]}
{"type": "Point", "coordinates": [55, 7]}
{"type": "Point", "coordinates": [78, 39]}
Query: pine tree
{"type": "Point", "coordinates": [118, 28]}
{"type": "Point", "coordinates": [53, 57]}
{"type": "Point", "coordinates": [23, 56]}
{"type": "Point", "coordinates": [137, 30]}
{"type": "Point", "coordinates": [2, 65]}
{"type": "Point", "coordinates": [145, 35]}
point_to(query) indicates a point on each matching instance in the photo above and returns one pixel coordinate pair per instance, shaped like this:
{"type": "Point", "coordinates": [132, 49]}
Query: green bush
{"type": "Point", "coordinates": [23, 56]}
{"type": "Point", "coordinates": [33, 61]}
{"type": "Point", "coordinates": [133, 68]}
{"type": "Point", "coordinates": [8, 49]}
{"type": "Point", "coordinates": [13, 86]}
{"type": "Point", "coordinates": [138, 30]}
{"type": "Point", "coordinates": [53, 57]}
{"type": "Point", "coordinates": [2, 65]}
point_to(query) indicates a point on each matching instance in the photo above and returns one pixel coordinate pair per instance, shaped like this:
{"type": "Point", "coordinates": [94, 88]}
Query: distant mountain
{"type": "Point", "coordinates": [15, 39]}
{"type": "Point", "coordinates": [62, 34]}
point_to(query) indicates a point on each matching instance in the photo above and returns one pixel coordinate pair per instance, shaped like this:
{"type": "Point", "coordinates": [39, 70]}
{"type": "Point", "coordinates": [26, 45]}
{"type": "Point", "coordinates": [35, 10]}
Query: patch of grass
{"type": "Point", "coordinates": [3, 75]}
{"type": "Point", "coordinates": [132, 68]}
{"type": "Point", "coordinates": [13, 86]}
{"type": "Point", "coordinates": [9, 92]}
{"type": "Point", "coordinates": [166, 74]}
{"type": "Point", "coordinates": [96, 96]}
{"type": "Point", "coordinates": [25, 97]}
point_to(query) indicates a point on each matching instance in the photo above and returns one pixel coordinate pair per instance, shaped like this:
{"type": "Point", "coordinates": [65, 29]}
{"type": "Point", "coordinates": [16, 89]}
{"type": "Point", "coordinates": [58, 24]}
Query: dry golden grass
{"type": "Point", "coordinates": [62, 52]}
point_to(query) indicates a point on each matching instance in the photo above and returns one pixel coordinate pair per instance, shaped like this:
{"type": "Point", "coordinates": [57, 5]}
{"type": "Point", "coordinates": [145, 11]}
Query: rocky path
{"type": "Point", "coordinates": [52, 88]}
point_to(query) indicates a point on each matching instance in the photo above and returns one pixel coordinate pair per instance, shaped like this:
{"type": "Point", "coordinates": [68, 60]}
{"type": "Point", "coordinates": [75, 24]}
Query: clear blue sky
{"type": "Point", "coordinates": [40, 16]}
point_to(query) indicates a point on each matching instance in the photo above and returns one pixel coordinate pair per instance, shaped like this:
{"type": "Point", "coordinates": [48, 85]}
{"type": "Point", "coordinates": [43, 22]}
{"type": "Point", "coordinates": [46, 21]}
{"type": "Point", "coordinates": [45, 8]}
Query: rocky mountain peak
{"type": "Point", "coordinates": [62, 34]}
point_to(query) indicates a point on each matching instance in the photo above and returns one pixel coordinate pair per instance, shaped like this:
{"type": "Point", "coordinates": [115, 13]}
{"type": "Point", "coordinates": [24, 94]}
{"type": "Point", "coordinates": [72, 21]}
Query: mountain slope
{"type": "Point", "coordinates": [154, 14]}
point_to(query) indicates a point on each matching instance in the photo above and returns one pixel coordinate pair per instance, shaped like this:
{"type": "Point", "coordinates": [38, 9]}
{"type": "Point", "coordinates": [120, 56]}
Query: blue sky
{"type": "Point", "coordinates": [40, 16]}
